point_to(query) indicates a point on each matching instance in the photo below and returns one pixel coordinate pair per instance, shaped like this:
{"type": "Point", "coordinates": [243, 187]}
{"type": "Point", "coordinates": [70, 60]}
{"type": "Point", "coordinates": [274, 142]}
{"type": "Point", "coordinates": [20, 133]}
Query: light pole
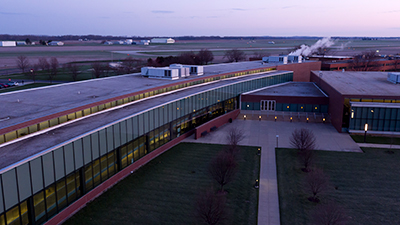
{"type": "Point", "coordinates": [365, 134]}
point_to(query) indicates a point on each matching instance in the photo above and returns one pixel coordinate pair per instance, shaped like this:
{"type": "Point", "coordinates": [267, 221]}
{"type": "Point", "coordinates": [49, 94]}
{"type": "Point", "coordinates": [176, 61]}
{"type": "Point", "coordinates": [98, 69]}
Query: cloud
{"type": "Point", "coordinates": [162, 11]}
{"type": "Point", "coordinates": [289, 6]}
{"type": "Point", "coordinates": [12, 14]}
{"type": "Point", "coordinates": [239, 9]}
{"type": "Point", "coordinates": [392, 11]}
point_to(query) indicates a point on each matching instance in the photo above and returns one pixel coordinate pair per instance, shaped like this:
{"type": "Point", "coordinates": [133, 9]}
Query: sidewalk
{"type": "Point", "coordinates": [371, 145]}
{"type": "Point", "coordinates": [263, 134]}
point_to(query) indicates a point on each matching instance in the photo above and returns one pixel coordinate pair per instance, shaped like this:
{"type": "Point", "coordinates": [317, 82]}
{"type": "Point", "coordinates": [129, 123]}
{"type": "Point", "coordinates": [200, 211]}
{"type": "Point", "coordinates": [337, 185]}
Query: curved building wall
{"type": "Point", "coordinates": [35, 189]}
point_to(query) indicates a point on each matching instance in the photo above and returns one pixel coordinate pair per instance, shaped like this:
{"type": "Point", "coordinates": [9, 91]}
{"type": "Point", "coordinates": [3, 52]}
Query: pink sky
{"type": "Point", "coordinates": [205, 17]}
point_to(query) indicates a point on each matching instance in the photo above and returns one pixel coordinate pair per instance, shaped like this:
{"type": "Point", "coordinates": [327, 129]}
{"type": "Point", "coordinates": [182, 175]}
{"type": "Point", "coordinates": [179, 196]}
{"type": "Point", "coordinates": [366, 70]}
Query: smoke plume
{"type": "Point", "coordinates": [306, 50]}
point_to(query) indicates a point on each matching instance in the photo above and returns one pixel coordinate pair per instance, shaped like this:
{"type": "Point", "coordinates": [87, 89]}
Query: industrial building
{"type": "Point", "coordinates": [61, 152]}
{"type": "Point", "coordinates": [8, 43]}
{"type": "Point", "coordinates": [173, 72]}
{"type": "Point", "coordinates": [162, 40]}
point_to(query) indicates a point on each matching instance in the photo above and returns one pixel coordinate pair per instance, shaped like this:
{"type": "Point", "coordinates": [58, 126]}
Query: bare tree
{"type": "Point", "coordinates": [317, 182]}
{"type": "Point", "coordinates": [97, 70]}
{"type": "Point", "coordinates": [223, 168]}
{"type": "Point", "coordinates": [329, 214]}
{"type": "Point", "coordinates": [302, 139]}
{"type": "Point", "coordinates": [188, 58]}
{"type": "Point", "coordinates": [43, 64]}
{"type": "Point", "coordinates": [235, 55]}
{"type": "Point", "coordinates": [205, 56]}
{"type": "Point", "coordinates": [73, 70]}
{"type": "Point", "coordinates": [210, 207]}
{"type": "Point", "coordinates": [129, 64]}
{"type": "Point", "coordinates": [234, 137]}
{"type": "Point", "coordinates": [306, 157]}
{"type": "Point", "coordinates": [53, 68]}
{"type": "Point", "coordinates": [364, 61]}
{"type": "Point", "coordinates": [22, 63]}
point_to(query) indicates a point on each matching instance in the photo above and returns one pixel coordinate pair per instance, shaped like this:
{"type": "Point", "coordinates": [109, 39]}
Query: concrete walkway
{"type": "Point", "coordinates": [263, 134]}
{"type": "Point", "coordinates": [371, 145]}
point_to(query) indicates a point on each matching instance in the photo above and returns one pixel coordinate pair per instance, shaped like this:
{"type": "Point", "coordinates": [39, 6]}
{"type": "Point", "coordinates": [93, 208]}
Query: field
{"type": "Point", "coordinates": [364, 184]}
{"type": "Point", "coordinates": [165, 190]}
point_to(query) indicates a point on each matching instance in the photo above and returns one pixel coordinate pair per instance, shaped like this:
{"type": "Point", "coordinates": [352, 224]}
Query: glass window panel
{"type": "Point", "coordinates": [59, 163]}
{"type": "Point", "coordinates": [36, 174]}
{"type": "Point", "coordinates": [124, 156]}
{"type": "Point", "coordinates": [141, 126]}
{"type": "Point", "coordinates": [78, 153]}
{"type": "Point", "coordinates": [117, 136]}
{"type": "Point", "coordinates": [24, 213]}
{"type": "Point", "coordinates": [103, 167]}
{"type": "Point", "coordinates": [48, 168]}
{"type": "Point", "coordinates": [103, 142]}
{"type": "Point", "coordinates": [24, 181]}
{"type": "Point", "coordinates": [71, 189]}
{"type": "Point", "coordinates": [87, 150]}
{"type": "Point", "coordinates": [110, 139]}
{"type": "Point", "coordinates": [135, 125]}
{"type": "Point", "coordinates": [123, 133]}
{"type": "Point", "coordinates": [96, 172]}
{"type": "Point", "coordinates": [69, 158]}
{"type": "Point", "coordinates": [129, 150]}
{"type": "Point", "coordinates": [88, 178]}
{"type": "Point", "coordinates": [156, 117]}
{"type": "Point", "coordinates": [39, 207]}
{"type": "Point", "coordinates": [13, 216]}
{"type": "Point", "coordinates": [61, 194]}
{"type": "Point", "coordinates": [23, 132]}
{"type": "Point", "coordinates": [129, 130]}
{"type": "Point", "coordinates": [111, 163]}
{"type": "Point", "coordinates": [51, 201]}
{"type": "Point", "coordinates": [136, 150]}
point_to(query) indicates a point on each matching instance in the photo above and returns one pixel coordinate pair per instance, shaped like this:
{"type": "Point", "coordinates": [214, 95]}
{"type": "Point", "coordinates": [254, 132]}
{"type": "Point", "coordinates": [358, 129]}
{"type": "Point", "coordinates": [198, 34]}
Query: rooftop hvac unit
{"type": "Point", "coordinates": [394, 78]}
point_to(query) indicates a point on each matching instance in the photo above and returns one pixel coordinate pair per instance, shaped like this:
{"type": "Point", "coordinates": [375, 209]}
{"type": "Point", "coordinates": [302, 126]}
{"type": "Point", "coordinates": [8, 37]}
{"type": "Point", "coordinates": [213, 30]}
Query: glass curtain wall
{"type": "Point", "coordinates": [35, 191]}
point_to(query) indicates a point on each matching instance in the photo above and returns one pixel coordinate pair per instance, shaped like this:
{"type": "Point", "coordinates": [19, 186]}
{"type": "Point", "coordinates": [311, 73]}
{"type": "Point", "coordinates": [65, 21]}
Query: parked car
{"type": "Point", "coordinates": [12, 83]}
{"type": "Point", "coordinates": [3, 85]}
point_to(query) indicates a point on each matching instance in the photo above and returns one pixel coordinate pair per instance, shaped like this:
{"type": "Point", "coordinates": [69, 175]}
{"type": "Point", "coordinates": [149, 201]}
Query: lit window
{"type": "Point", "coordinates": [316, 107]}
{"type": "Point", "coordinates": [287, 106]}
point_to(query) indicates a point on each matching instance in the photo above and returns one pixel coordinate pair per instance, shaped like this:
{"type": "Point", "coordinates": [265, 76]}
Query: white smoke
{"type": "Point", "coordinates": [306, 50]}
{"type": "Point", "coordinates": [343, 46]}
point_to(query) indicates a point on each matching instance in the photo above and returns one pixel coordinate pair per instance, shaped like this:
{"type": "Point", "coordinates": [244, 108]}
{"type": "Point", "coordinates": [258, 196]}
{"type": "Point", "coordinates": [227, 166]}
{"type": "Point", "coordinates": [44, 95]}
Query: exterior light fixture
{"type": "Point", "coordinates": [323, 119]}
{"type": "Point", "coordinates": [276, 118]}
{"type": "Point", "coordinates": [259, 118]}
{"type": "Point", "coordinates": [244, 117]}
{"type": "Point", "coordinates": [365, 134]}
{"type": "Point", "coordinates": [307, 119]}
{"type": "Point", "coordinates": [291, 118]}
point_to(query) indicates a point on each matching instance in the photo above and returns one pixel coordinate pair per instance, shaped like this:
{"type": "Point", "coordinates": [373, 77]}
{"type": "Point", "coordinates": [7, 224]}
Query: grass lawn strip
{"type": "Point", "coordinates": [165, 190]}
{"type": "Point", "coordinates": [366, 185]}
{"type": "Point", "coordinates": [376, 139]}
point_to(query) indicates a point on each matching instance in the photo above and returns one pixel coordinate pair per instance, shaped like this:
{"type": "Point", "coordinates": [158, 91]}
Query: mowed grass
{"type": "Point", "coordinates": [376, 139]}
{"type": "Point", "coordinates": [165, 190]}
{"type": "Point", "coordinates": [366, 185]}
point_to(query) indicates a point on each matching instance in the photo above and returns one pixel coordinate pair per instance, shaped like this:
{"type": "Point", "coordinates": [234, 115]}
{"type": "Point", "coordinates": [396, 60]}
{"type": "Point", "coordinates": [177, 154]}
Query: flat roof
{"type": "Point", "coordinates": [39, 143]}
{"type": "Point", "coordinates": [359, 83]}
{"type": "Point", "coordinates": [26, 105]}
{"type": "Point", "coordinates": [297, 89]}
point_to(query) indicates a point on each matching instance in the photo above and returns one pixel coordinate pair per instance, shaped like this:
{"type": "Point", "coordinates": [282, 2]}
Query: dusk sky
{"type": "Point", "coordinates": [202, 17]}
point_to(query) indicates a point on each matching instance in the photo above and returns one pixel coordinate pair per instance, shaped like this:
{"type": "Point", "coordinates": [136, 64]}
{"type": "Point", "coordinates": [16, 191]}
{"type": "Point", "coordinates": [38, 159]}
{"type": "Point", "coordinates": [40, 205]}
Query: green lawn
{"type": "Point", "coordinates": [27, 86]}
{"type": "Point", "coordinates": [165, 190]}
{"type": "Point", "coordinates": [376, 139]}
{"type": "Point", "coordinates": [366, 185]}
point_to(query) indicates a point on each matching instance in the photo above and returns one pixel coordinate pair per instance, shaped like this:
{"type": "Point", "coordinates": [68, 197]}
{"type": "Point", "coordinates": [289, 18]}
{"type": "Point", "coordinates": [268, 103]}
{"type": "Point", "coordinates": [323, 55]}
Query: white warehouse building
{"type": "Point", "coordinates": [173, 72]}
{"type": "Point", "coordinates": [163, 40]}
{"type": "Point", "coordinates": [8, 43]}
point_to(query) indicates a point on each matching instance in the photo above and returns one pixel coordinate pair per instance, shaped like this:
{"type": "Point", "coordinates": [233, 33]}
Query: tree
{"type": "Point", "coordinates": [97, 69]}
{"type": "Point", "coordinates": [22, 63]}
{"type": "Point", "coordinates": [306, 157]}
{"type": "Point", "coordinates": [364, 61]}
{"type": "Point", "coordinates": [53, 68]}
{"type": "Point", "coordinates": [210, 207]}
{"type": "Point", "coordinates": [233, 138]}
{"type": "Point", "coordinates": [317, 182]}
{"type": "Point", "coordinates": [188, 58]}
{"type": "Point", "coordinates": [205, 56]}
{"type": "Point", "coordinates": [28, 41]}
{"type": "Point", "coordinates": [73, 70]}
{"type": "Point", "coordinates": [235, 55]}
{"type": "Point", "coordinates": [129, 64]}
{"type": "Point", "coordinates": [329, 214]}
{"type": "Point", "coordinates": [43, 64]}
{"type": "Point", "coordinates": [302, 139]}
{"type": "Point", "coordinates": [223, 169]}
